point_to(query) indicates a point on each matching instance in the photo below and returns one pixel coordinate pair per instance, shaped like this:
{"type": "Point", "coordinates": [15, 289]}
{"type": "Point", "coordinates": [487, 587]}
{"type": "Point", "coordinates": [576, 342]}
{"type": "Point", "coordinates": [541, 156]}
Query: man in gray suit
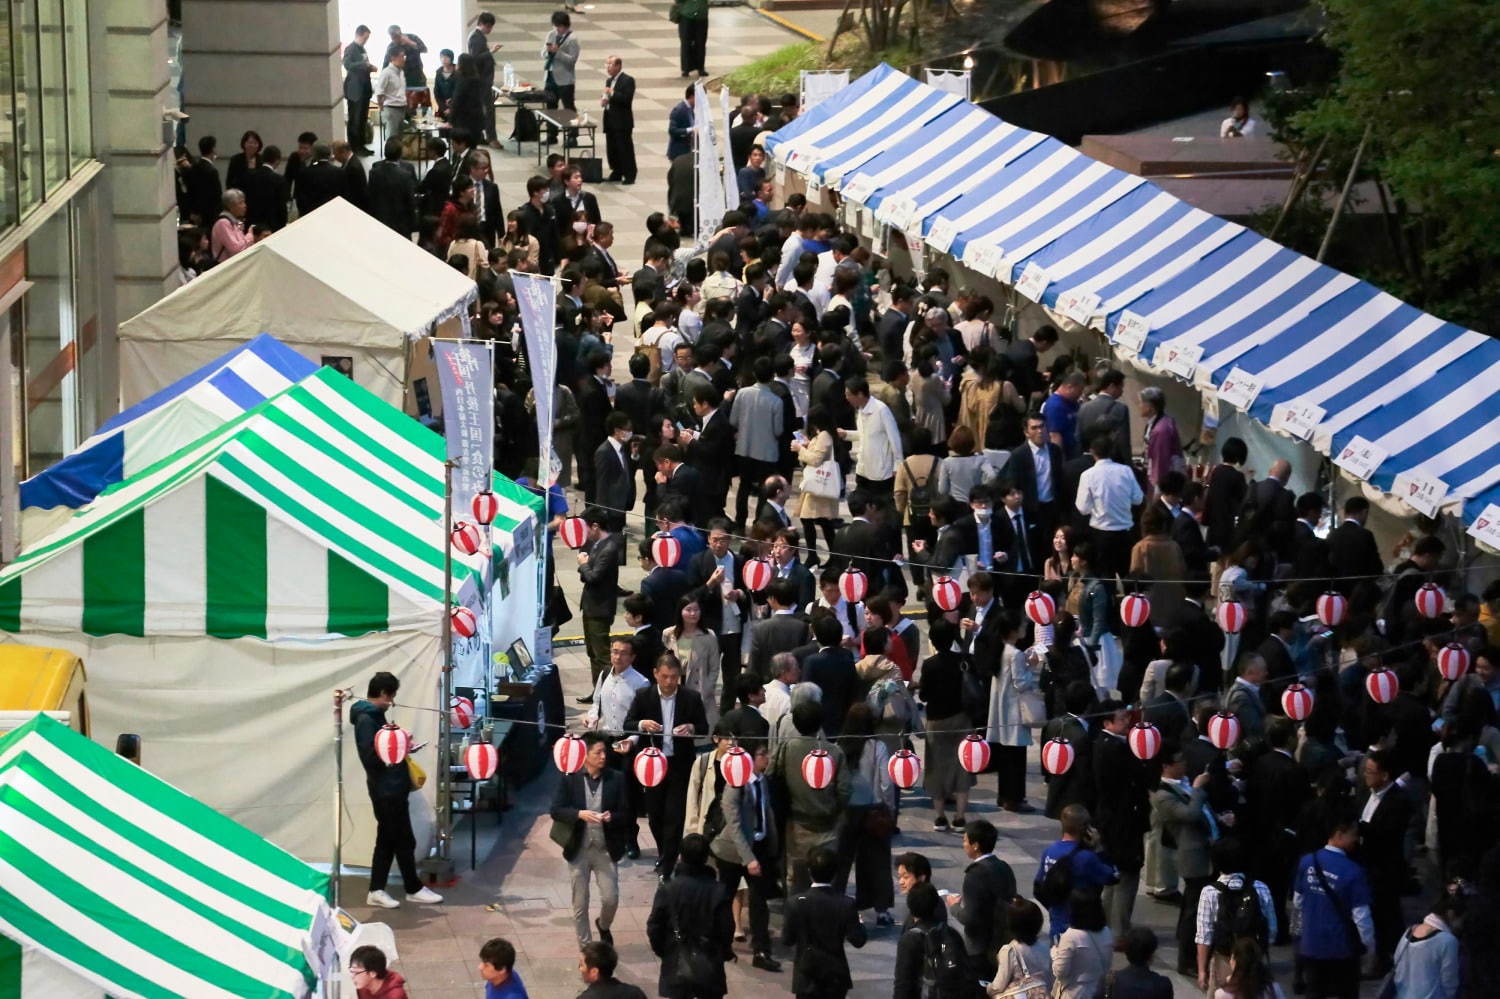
{"type": "Point", "coordinates": [748, 847]}
{"type": "Point", "coordinates": [1244, 696]}
{"type": "Point", "coordinates": [560, 59]}
{"type": "Point", "coordinates": [357, 88]}
{"type": "Point", "coordinates": [1180, 810]}
{"type": "Point", "coordinates": [756, 416]}
{"type": "Point", "coordinates": [783, 631]}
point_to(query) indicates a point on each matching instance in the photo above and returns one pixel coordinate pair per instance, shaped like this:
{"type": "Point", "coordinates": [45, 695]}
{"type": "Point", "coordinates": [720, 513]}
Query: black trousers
{"type": "Point", "coordinates": [752, 475]}
{"type": "Point", "coordinates": [692, 37]}
{"type": "Point", "coordinates": [868, 859]}
{"type": "Point", "coordinates": [359, 115]}
{"type": "Point", "coordinates": [490, 134]}
{"type": "Point", "coordinates": [619, 147]}
{"type": "Point", "coordinates": [760, 887]}
{"type": "Point", "coordinates": [729, 669]}
{"type": "Point", "coordinates": [1331, 979]}
{"type": "Point", "coordinates": [666, 809]}
{"type": "Point", "coordinates": [1010, 772]}
{"type": "Point", "coordinates": [1187, 925]}
{"type": "Point", "coordinates": [1112, 551]}
{"type": "Point", "coordinates": [394, 840]}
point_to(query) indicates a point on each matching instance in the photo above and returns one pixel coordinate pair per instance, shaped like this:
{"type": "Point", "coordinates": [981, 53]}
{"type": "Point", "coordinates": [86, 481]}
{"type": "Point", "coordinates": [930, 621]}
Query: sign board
{"type": "Point", "coordinates": [1423, 492]}
{"type": "Point", "coordinates": [818, 84]}
{"type": "Point", "coordinates": [1297, 418]}
{"type": "Point", "coordinates": [1240, 389]}
{"type": "Point", "coordinates": [1360, 457]}
{"type": "Point", "coordinates": [984, 258]}
{"type": "Point", "coordinates": [940, 237]}
{"type": "Point", "coordinates": [1034, 281]}
{"type": "Point", "coordinates": [1130, 332]}
{"type": "Point", "coordinates": [1486, 527]}
{"type": "Point", "coordinates": [1179, 358]}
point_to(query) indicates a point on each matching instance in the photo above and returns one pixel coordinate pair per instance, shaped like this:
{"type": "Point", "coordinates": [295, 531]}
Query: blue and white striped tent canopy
{"type": "Point", "coordinates": [157, 426]}
{"type": "Point", "coordinates": [1329, 358]}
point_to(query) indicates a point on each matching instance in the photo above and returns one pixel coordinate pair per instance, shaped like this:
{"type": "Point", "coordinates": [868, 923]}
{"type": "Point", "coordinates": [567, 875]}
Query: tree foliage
{"type": "Point", "coordinates": [1424, 77]}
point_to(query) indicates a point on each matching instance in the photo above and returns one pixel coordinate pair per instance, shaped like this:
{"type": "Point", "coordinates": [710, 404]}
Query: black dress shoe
{"type": "Point", "coordinates": [765, 962]}
{"type": "Point", "coordinates": [604, 934]}
{"type": "Point", "coordinates": [628, 180]}
{"type": "Point", "coordinates": [633, 852]}
{"type": "Point", "coordinates": [589, 699]}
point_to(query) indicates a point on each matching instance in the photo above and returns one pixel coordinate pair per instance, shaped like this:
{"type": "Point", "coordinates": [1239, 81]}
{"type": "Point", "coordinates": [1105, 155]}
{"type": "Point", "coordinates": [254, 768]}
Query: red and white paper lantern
{"type": "Point", "coordinates": [650, 766]}
{"type": "Point", "coordinates": [1057, 756]}
{"type": "Point", "coordinates": [665, 549]}
{"type": "Point", "coordinates": [1453, 661]}
{"type": "Point", "coordinates": [946, 593]}
{"type": "Point", "coordinates": [466, 537]}
{"type": "Point", "coordinates": [817, 769]}
{"type": "Point", "coordinates": [1135, 610]}
{"type": "Point", "coordinates": [574, 531]}
{"type": "Point", "coordinates": [1332, 608]}
{"type": "Point", "coordinates": [737, 766]}
{"type": "Point", "coordinates": [1297, 702]}
{"type": "Point", "coordinates": [1382, 685]}
{"type": "Point", "coordinates": [486, 507]}
{"type": "Point", "coordinates": [461, 711]}
{"type": "Point", "coordinates": [974, 754]}
{"type": "Point", "coordinates": [1224, 730]}
{"type": "Point", "coordinates": [481, 760]}
{"type": "Point", "coordinates": [905, 769]}
{"type": "Point", "coordinates": [463, 621]}
{"type": "Point", "coordinates": [757, 573]}
{"type": "Point", "coordinates": [1231, 616]}
{"type": "Point", "coordinates": [1041, 608]}
{"type": "Point", "coordinates": [1429, 600]}
{"type": "Point", "coordinates": [568, 753]}
{"type": "Point", "coordinates": [392, 744]}
{"type": "Point", "coordinates": [1145, 740]}
{"type": "Point", "coordinates": [853, 585]}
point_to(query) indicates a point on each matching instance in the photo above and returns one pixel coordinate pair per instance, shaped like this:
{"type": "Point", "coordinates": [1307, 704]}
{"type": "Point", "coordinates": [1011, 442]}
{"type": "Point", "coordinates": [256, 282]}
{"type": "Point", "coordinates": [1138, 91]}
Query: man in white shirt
{"type": "Point", "coordinates": [1106, 493]}
{"type": "Point", "coordinates": [615, 691]}
{"type": "Point", "coordinates": [786, 674]}
{"type": "Point", "coordinates": [390, 93]}
{"type": "Point", "coordinates": [877, 439]}
{"type": "Point", "coordinates": [670, 715]}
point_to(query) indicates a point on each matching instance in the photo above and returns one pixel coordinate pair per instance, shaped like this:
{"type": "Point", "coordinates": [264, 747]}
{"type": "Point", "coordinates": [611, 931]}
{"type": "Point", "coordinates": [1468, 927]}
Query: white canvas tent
{"type": "Point", "coordinates": [220, 596]}
{"type": "Point", "coordinates": [334, 284]}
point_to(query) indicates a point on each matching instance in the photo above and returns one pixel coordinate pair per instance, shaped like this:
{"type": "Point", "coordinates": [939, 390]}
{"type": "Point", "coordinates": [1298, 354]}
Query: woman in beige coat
{"type": "Point", "coordinates": [816, 510]}
{"type": "Point", "coordinates": [697, 648]}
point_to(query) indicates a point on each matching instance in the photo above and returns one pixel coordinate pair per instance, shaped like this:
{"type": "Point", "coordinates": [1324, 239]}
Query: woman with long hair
{"type": "Point", "coordinates": [466, 110]}
{"type": "Point", "coordinates": [1096, 618]}
{"type": "Point", "coordinates": [1249, 974]}
{"type": "Point", "coordinates": [460, 203]}
{"type": "Point", "coordinates": [978, 392]}
{"type": "Point", "coordinates": [804, 365]}
{"type": "Point", "coordinates": [242, 162]}
{"type": "Point", "coordinates": [870, 819]}
{"type": "Point", "coordinates": [1158, 558]}
{"type": "Point", "coordinates": [930, 392]}
{"type": "Point", "coordinates": [964, 468]}
{"type": "Point", "coordinates": [817, 511]}
{"type": "Point", "coordinates": [1005, 723]}
{"type": "Point", "coordinates": [1427, 957]}
{"type": "Point", "coordinates": [1082, 956]}
{"type": "Point", "coordinates": [697, 648]}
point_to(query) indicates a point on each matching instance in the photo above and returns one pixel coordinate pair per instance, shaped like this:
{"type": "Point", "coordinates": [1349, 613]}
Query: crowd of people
{"type": "Point", "coordinates": [899, 465]}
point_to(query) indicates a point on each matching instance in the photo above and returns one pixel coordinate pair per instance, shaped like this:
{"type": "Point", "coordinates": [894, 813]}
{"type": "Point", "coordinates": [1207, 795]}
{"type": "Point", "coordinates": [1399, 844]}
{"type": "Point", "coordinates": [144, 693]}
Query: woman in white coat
{"type": "Point", "coordinates": [1082, 955]}
{"type": "Point", "coordinates": [1005, 727]}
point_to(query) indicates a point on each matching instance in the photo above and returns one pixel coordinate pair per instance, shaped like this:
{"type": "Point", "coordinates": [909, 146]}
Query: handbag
{"type": "Point", "coordinates": [1033, 709]}
{"type": "Point", "coordinates": [416, 774]}
{"type": "Point", "coordinates": [825, 480]}
{"type": "Point", "coordinates": [690, 966]}
{"type": "Point", "coordinates": [1031, 984]}
{"type": "Point", "coordinates": [879, 823]}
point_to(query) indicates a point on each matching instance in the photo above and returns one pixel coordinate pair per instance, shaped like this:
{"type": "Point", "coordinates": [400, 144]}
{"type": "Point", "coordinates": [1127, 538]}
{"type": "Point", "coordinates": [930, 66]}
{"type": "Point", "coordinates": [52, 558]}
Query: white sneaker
{"type": "Point", "coordinates": [426, 896]}
{"type": "Point", "coordinates": [381, 900]}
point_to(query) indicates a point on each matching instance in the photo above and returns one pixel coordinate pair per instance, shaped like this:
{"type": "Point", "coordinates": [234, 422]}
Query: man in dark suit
{"type": "Point", "coordinates": [749, 848]}
{"type": "Point", "coordinates": [355, 184]}
{"type": "Point", "coordinates": [1309, 552]}
{"type": "Point", "coordinates": [619, 120]}
{"type": "Point", "coordinates": [649, 284]}
{"type": "Point", "coordinates": [859, 544]}
{"type": "Point", "coordinates": [1076, 787]}
{"type": "Point", "coordinates": [591, 821]}
{"type": "Point", "coordinates": [1016, 537]}
{"type": "Point", "coordinates": [890, 332]}
{"type": "Point", "coordinates": [745, 722]}
{"type": "Point", "coordinates": [1036, 468]}
{"type": "Point", "coordinates": [662, 585]}
{"type": "Point", "coordinates": [205, 190]}
{"type": "Point", "coordinates": [614, 470]}
{"type": "Point", "coordinates": [438, 180]}
{"type": "Point", "coordinates": [1225, 495]}
{"type": "Point", "coordinates": [392, 191]}
{"type": "Point", "coordinates": [1024, 354]}
{"type": "Point", "coordinates": [710, 449]}
{"type": "Point", "coordinates": [1170, 710]}
{"type": "Point", "coordinates": [1202, 641]}
{"type": "Point", "coordinates": [1198, 752]}
{"type": "Point", "coordinates": [570, 201]}
{"type": "Point", "coordinates": [597, 963]}
{"type": "Point", "coordinates": [1122, 810]}
{"type": "Point", "coordinates": [671, 715]}
{"type": "Point", "coordinates": [674, 477]}
{"type": "Point", "coordinates": [319, 182]}
{"type": "Point", "coordinates": [266, 193]}
{"type": "Point", "coordinates": [645, 635]}
{"type": "Point", "coordinates": [950, 545]}
{"type": "Point", "coordinates": [1385, 813]}
{"type": "Point", "coordinates": [1276, 650]}
{"type": "Point", "coordinates": [1180, 497]}
{"type": "Point", "coordinates": [1276, 788]}
{"type": "Point", "coordinates": [783, 631]}
{"type": "Point", "coordinates": [1352, 550]}
{"type": "Point", "coordinates": [785, 564]}
{"type": "Point", "coordinates": [643, 403]}
{"type": "Point", "coordinates": [595, 407]}
{"type": "Point", "coordinates": [599, 570]}
{"type": "Point", "coordinates": [483, 51]}
{"type": "Point", "coordinates": [989, 885]}
{"type": "Point", "coordinates": [358, 88]}
{"type": "Point", "coordinates": [487, 207]}
{"type": "Point", "coordinates": [1269, 512]}
{"type": "Point", "coordinates": [716, 572]}
{"type": "Point", "coordinates": [832, 669]}
{"type": "Point", "coordinates": [821, 920]}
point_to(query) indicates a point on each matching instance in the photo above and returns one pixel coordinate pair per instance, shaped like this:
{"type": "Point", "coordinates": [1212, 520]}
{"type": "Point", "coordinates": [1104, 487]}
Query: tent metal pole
{"type": "Point", "coordinates": [445, 721]}
{"type": "Point", "coordinates": [338, 799]}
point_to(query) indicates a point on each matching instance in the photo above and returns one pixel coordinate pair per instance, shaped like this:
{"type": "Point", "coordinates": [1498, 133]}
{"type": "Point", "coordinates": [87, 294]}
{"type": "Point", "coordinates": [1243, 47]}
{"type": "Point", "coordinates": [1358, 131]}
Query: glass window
{"type": "Point", "coordinates": [54, 117]}
{"type": "Point", "coordinates": [8, 132]}
{"type": "Point", "coordinates": [97, 390]}
{"type": "Point", "coordinates": [27, 73]}
{"type": "Point", "coordinates": [51, 345]}
{"type": "Point", "coordinates": [80, 135]}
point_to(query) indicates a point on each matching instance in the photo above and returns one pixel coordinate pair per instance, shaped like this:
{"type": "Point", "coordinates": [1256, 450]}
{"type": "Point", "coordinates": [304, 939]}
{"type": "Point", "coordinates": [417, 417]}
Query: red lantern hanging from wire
{"type": "Point", "coordinates": [463, 621]}
{"type": "Point", "coordinates": [467, 537]}
{"type": "Point", "coordinates": [1144, 740]}
{"type": "Point", "coordinates": [1057, 756]}
{"type": "Point", "coordinates": [1297, 702]}
{"type": "Point", "coordinates": [974, 754]}
{"type": "Point", "coordinates": [1224, 730]}
{"type": "Point", "coordinates": [853, 585]}
{"type": "Point", "coordinates": [666, 551]}
{"type": "Point", "coordinates": [1429, 600]}
{"type": "Point", "coordinates": [1135, 610]}
{"type": "Point", "coordinates": [737, 766]}
{"type": "Point", "coordinates": [461, 712]}
{"type": "Point", "coordinates": [905, 769]}
{"type": "Point", "coordinates": [1231, 616]}
{"type": "Point", "coordinates": [818, 769]}
{"type": "Point", "coordinates": [1041, 608]}
{"type": "Point", "coordinates": [757, 573]}
{"type": "Point", "coordinates": [1382, 685]}
{"type": "Point", "coordinates": [486, 507]}
{"type": "Point", "coordinates": [946, 593]}
{"type": "Point", "coordinates": [392, 744]}
{"type": "Point", "coordinates": [481, 760]}
{"type": "Point", "coordinates": [1453, 661]}
{"type": "Point", "coordinates": [574, 532]}
{"type": "Point", "coordinates": [568, 753]}
{"type": "Point", "coordinates": [1332, 608]}
{"type": "Point", "coordinates": [650, 766]}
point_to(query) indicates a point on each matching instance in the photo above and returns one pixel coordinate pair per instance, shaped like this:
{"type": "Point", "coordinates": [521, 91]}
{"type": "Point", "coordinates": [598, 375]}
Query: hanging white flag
{"type": "Point", "coordinates": [710, 203]}
{"type": "Point", "coordinates": [731, 177]}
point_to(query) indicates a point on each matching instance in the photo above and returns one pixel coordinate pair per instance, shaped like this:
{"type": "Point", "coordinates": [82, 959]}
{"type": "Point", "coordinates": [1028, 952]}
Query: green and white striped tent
{"type": "Point", "coordinates": [113, 882]}
{"type": "Point", "coordinates": [220, 595]}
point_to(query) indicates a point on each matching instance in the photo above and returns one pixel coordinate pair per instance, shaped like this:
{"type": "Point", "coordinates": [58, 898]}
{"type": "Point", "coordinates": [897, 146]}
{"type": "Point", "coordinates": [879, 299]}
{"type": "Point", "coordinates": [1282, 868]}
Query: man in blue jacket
{"type": "Point", "coordinates": [1332, 895]}
{"type": "Point", "coordinates": [680, 126]}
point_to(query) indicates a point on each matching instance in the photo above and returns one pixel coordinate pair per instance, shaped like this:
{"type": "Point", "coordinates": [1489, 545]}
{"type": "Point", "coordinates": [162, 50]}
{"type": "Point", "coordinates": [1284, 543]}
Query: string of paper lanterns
{"type": "Point", "coordinates": [974, 754]}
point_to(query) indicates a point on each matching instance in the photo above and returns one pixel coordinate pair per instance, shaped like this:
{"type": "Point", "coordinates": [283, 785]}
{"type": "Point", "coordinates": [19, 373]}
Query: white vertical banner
{"type": "Point", "coordinates": [710, 205]}
{"type": "Point", "coordinates": [536, 299]}
{"type": "Point", "coordinates": [731, 176]}
{"type": "Point", "coordinates": [465, 375]}
{"type": "Point", "coordinates": [818, 84]}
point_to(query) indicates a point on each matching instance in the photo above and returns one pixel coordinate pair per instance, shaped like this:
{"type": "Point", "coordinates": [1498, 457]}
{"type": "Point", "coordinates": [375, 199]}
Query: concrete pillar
{"type": "Point", "coordinates": [270, 65]}
{"type": "Point", "coordinates": [133, 72]}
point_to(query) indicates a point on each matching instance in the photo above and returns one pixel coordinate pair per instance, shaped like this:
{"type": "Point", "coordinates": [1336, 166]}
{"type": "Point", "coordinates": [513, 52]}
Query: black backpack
{"type": "Point", "coordinates": [945, 973]}
{"type": "Point", "coordinates": [1239, 916]}
{"type": "Point", "coordinates": [919, 498]}
{"type": "Point", "coordinates": [1056, 886]}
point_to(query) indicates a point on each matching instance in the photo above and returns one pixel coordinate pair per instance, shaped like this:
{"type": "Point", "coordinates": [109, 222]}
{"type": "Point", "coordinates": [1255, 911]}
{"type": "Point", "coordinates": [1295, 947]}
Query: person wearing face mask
{"type": "Point", "coordinates": [571, 200]}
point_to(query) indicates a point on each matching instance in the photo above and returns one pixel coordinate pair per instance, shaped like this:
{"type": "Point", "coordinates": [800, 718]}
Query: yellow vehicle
{"type": "Point", "coordinates": [36, 679]}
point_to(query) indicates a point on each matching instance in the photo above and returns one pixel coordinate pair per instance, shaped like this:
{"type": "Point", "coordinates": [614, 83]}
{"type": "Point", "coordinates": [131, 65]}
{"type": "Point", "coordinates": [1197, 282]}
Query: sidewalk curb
{"type": "Point", "coordinates": [795, 29]}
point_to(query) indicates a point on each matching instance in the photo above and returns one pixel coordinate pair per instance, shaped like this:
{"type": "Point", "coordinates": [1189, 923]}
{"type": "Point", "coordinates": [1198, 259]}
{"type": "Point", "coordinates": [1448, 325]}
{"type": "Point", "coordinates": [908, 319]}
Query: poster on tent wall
{"type": "Point", "coordinates": [710, 184]}
{"type": "Point", "coordinates": [536, 297]}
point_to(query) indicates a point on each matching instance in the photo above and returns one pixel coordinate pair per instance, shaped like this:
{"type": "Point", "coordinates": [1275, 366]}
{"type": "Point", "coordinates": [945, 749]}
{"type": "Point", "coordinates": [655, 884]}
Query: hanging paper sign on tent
{"type": "Point", "coordinates": [1033, 282]}
{"type": "Point", "coordinates": [1360, 458]}
{"type": "Point", "coordinates": [1131, 330]}
{"type": "Point", "coordinates": [1424, 493]}
{"type": "Point", "coordinates": [1240, 389]}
